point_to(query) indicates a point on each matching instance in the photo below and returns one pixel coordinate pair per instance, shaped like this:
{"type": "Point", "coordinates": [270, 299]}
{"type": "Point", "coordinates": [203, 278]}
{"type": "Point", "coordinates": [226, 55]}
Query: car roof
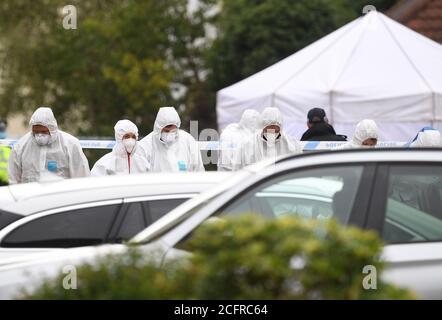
{"type": "Point", "coordinates": [29, 198]}
{"type": "Point", "coordinates": [353, 156]}
{"type": "Point", "coordinates": [369, 155]}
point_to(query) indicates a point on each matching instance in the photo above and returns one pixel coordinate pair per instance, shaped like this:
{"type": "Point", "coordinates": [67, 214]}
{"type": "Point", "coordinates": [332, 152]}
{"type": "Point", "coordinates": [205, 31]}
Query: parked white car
{"type": "Point", "coordinates": [36, 217]}
{"type": "Point", "coordinates": [395, 192]}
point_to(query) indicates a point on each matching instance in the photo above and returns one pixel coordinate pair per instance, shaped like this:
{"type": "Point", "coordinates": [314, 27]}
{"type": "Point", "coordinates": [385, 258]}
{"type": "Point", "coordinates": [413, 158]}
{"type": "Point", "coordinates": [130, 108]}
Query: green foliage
{"type": "Point", "coordinates": [120, 62]}
{"type": "Point", "coordinates": [127, 56]}
{"type": "Point", "coordinates": [243, 258]}
{"type": "Point", "coordinates": [128, 276]}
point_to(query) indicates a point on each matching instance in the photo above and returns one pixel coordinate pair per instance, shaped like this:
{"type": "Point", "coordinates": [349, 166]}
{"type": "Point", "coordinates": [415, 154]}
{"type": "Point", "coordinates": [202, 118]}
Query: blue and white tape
{"type": "Point", "coordinates": [306, 145]}
{"type": "Point", "coordinates": [330, 145]}
{"type": "Point", "coordinates": [214, 145]}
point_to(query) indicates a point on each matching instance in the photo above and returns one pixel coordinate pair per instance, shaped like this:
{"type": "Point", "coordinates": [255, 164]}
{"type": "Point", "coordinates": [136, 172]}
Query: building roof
{"type": "Point", "coordinates": [423, 16]}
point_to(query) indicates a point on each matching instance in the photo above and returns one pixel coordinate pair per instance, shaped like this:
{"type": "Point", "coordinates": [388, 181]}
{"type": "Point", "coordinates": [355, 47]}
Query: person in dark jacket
{"type": "Point", "coordinates": [319, 129]}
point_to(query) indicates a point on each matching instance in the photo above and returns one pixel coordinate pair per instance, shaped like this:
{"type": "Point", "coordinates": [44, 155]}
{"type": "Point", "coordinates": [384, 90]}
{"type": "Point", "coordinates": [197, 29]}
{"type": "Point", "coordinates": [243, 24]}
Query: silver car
{"type": "Point", "coordinates": [40, 217]}
{"type": "Point", "coordinates": [395, 192]}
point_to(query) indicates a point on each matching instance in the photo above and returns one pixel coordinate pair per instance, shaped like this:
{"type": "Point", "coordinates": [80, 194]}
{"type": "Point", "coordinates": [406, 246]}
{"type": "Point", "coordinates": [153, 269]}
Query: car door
{"type": "Point", "coordinates": [73, 226]}
{"type": "Point", "coordinates": [407, 212]}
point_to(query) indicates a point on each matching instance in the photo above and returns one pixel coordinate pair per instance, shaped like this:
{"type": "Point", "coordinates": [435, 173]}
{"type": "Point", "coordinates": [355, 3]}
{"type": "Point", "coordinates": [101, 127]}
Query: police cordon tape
{"type": "Point", "coordinates": [214, 145]}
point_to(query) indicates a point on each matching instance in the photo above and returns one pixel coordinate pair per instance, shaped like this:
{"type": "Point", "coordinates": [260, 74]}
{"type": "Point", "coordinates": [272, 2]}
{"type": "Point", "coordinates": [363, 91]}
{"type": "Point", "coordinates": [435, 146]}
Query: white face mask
{"type": "Point", "coordinates": [169, 137]}
{"type": "Point", "coordinates": [42, 139]}
{"type": "Point", "coordinates": [271, 137]}
{"type": "Point", "coordinates": [129, 144]}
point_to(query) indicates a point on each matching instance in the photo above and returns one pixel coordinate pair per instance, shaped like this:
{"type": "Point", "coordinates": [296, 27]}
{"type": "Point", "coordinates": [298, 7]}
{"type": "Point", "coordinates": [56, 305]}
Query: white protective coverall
{"type": "Point", "coordinates": [365, 129]}
{"type": "Point", "coordinates": [121, 160]}
{"type": "Point", "coordinates": [257, 148]}
{"type": "Point", "coordinates": [62, 155]}
{"type": "Point", "coordinates": [181, 154]}
{"type": "Point", "coordinates": [234, 135]}
{"type": "Point", "coordinates": [428, 139]}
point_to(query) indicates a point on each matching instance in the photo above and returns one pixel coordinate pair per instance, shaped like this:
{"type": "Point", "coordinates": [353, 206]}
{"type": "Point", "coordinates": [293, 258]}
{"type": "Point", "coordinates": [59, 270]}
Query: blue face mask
{"type": "Point", "coordinates": [2, 134]}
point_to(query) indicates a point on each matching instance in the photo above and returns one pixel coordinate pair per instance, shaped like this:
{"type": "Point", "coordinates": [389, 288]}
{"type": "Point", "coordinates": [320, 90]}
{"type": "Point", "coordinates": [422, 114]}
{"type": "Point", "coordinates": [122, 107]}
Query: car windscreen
{"type": "Point", "coordinates": [188, 208]}
{"type": "Point", "coordinates": [7, 217]}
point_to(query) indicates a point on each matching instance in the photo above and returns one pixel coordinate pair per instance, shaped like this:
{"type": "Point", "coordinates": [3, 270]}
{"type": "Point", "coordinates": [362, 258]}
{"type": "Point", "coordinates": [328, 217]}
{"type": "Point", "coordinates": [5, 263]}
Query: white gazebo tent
{"type": "Point", "coordinates": [373, 67]}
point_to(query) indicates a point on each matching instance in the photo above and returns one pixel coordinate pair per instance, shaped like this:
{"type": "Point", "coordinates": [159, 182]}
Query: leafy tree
{"type": "Point", "coordinates": [254, 34]}
{"type": "Point", "coordinates": [129, 57]}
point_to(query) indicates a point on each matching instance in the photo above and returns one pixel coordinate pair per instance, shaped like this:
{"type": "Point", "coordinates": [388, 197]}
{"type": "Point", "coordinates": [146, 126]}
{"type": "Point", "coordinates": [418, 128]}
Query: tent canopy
{"type": "Point", "coordinates": [373, 67]}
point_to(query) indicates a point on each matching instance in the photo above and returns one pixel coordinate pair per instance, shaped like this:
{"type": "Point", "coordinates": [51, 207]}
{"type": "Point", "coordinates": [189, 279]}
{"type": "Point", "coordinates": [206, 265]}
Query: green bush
{"type": "Point", "coordinates": [243, 258]}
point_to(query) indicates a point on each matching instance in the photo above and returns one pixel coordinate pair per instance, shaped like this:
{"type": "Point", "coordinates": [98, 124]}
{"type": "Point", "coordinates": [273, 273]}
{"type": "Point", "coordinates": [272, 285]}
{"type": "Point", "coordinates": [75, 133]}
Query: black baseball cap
{"type": "Point", "coordinates": [316, 115]}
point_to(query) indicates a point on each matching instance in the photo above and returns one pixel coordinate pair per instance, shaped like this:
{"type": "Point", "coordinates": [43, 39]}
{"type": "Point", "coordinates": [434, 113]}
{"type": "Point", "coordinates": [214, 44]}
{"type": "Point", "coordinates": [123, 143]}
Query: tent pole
{"type": "Point", "coordinates": [330, 105]}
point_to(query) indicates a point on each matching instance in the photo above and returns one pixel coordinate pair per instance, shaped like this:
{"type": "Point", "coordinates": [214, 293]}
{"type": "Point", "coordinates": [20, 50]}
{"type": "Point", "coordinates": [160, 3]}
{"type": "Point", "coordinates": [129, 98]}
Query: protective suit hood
{"type": "Point", "coordinates": [428, 138]}
{"type": "Point", "coordinates": [165, 117]}
{"type": "Point", "coordinates": [44, 116]}
{"type": "Point", "coordinates": [234, 135]}
{"type": "Point", "coordinates": [119, 161]}
{"type": "Point", "coordinates": [250, 120]}
{"type": "Point", "coordinates": [121, 128]}
{"type": "Point", "coordinates": [366, 129]}
{"type": "Point", "coordinates": [271, 116]}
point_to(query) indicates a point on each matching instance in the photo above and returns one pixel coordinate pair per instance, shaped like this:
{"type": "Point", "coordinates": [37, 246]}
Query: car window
{"type": "Point", "coordinates": [319, 193]}
{"type": "Point", "coordinates": [158, 208]}
{"type": "Point", "coordinates": [82, 227]}
{"type": "Point", "coordinates": [133, 222]}
{"type": "Point", "coordinates": [7, 218]}
{"type": "Point", "coordinates": [414, 206]}
{"type": "Point", "coordinates": [139, 215]}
